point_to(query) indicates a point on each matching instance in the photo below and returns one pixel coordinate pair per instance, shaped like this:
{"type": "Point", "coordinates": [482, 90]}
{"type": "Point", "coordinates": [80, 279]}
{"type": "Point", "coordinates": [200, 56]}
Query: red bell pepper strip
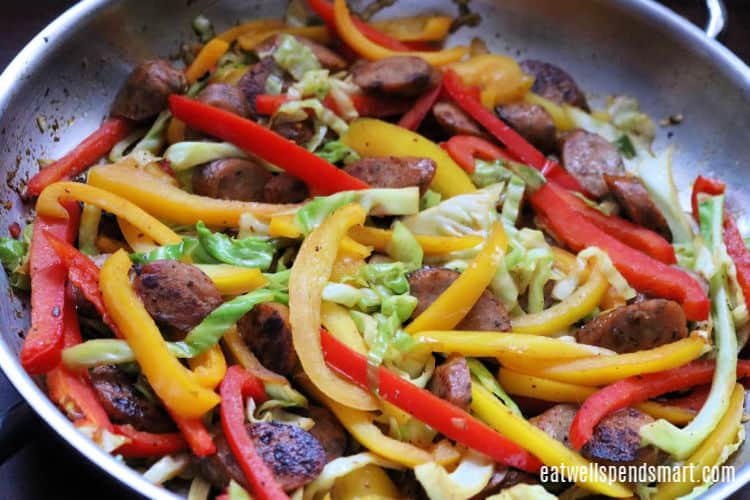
{"type": "Point", "coordinates": [324, 10]}
{"type": "Point", "coordinates": [82, 156]}
{"type": "Point", "coordinates": [413, 118]}
{"type": "Point", "coordinates": [467, 99]}
{"type": "Point", "coordinates": [195, 433]}
{"type": "Point", "coordinates": [693, 401]}
{"type": "Point", "coordinates": [644, 273]}
{"type": "Point", "coordinates": [43, 344]}
{"type": "Point", "coordinates": [639, 388]}
{"type": "Point", "coordinates": [631, 234]}
{"type": "Point", "coordinates": [465, 148]}
{"type": "Point", "coordinates": [147, 444]}
{"type": "Point", "coordinates": [442, 416]}
{"type": "Point", "coordinates": [237, 385]}
{"type": "Point", "coordinates": [733, 240]}
{"type": "Point", "coordinates": [320, 175]}
{"type": "Point", "coordinates": [267, 104]}
{"type": "Point", "coordinates": [84, 274]}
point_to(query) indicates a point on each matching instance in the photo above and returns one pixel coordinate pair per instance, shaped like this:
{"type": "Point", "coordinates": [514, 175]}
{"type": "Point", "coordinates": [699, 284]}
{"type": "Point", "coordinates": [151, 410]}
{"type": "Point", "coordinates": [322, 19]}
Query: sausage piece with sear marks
{"type": "Point", "coordinates": [532, 122]}
{"type": "Point", "coordinates": [632, 196]}
{"type": "Point", "coordinates": [452, 382]}
{"type": "Point", "coordinates": [237, 179]}
{"type": "Point", "coordinates": [146, 90]}
{"type": "Point", "coordinates": [556, 422]}
{"type": "Point", "coordinates": [555, 84]}
{"type": "Point", "coordinates": [176, 294]}
{"type": "Point", "coordinates": [636, 327]}
{"type": "Point", "coordinates": [285, 188]}
{"type": "Point", "coordinates": [488, 314]}
{"type": "Point", "coordinates": [226, 97]}
{"type": "Point", "coordinates": [589, 157]}
{"type": "Point", "coordinates": [266, 330]}
{"type": "Point", "coordinates": [328, 431]}
{"type": "Point", "coordinates": [394, 172]}
{"type": "Point", "coordinates": [455, 121]}
{"type": "Point", "coordinates": [405, 76]}
{"type": "Point", "coordinates": [617, 440]}
{"type": "Point", "coordinates": [253, 82]}
{"type": "Point", "coordinates": [117, 394]}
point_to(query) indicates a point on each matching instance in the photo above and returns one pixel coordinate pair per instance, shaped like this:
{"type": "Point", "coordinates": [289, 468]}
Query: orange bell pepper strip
{"type": "Point", "coordinates": [206, 59]}
{"type": "Point", "coordinates": [257, 25]}
{"type": "Point", "coordinates": [416, 29]}
{"type": "Point", "coordinates": [311, 271]}
{"type": "Point", "coordinates": [249, 41]}
{"type": "Point", "coordinates": [245, 358]}
{"type": "Point", "coordinates": [209, 367]}
{"type": "Point", "coordinates": [175, 385]}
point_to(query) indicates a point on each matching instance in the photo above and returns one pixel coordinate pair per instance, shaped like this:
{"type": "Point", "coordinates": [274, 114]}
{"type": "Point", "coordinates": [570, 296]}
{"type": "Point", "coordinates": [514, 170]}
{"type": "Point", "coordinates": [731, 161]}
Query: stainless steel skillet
{"type": "Point", "coordinates": [69, 73]}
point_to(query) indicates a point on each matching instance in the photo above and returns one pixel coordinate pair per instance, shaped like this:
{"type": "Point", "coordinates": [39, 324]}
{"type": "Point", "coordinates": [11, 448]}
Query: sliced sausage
{"type": "Point", "coordinates": [117, 394]}
{"type": "Point", "coordinates": [253, 82]}
{"type": "Point", "coordinates": [327, 58]}
{"type": "Point", "coordinates": [226, 97]}
{"type": "Point", "coordinates": [636, 327]}
{"type": "Point", "coordinates": [617, 441]}
{"type": "Point", "coordinates": [554, 83]}
{"type": "Point", "coordinates": [632, 196]}
{"type": "Point", "coordinates": [176, 294]}
{"type": "Point", "coordinates": [488, 314]}
{"type": "Point", "coordinates": [589, 157]}
{"type": "Point", "coordinates": [452, 382]}
{"type": "Point", "coordinates": [146, 90]}
{"type": "Point", "coordinates": [532, 122]}
{"type": "Point", "coordinates": [503, 478]}
{"type": "Point", "coordinates": [454, 120]}
{"type": "Point", "coordinates": [231, 179]}
{"type": "Point", "coordinates": [556, 422]}
{"type": "Point", "coordinates": [328, 431]}
{"type": "Point", "coordinates": [285, 188]}
{"type": "Point", "coordinates": [266, 330]}
{"type": "Point", "coordinates": [294, 456]}
{"type": "Point", "coordinates": [299, 133]}
{"type": "Point", "coordinates": [406, 76]}
{"type": "Point", "coordinates": [394, 172]}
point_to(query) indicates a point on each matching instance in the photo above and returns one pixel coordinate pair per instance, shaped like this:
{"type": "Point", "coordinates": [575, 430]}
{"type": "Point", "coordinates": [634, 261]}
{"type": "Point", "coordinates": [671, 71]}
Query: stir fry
{"type": "Point", "coordinates": [332, 258]}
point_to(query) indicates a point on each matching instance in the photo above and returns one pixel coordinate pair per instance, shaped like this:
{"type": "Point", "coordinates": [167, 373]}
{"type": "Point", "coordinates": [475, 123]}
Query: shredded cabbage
{"type": "Point", "coordinates": [726, 452]}
{"type": "Point", "coordinates": [487, 173]}
{"type": "Point", "coordinates": [199, 489]}
{"type": "Point", "coordinates": [295, 111]}
{"type": "Point", "coordinates": [513, 197]}
{"type": "Point", "coordinates": [166, 468]}
{"type": "Point", "coordinates": [340, 467]}
{"type": "Point", "coordinates": [486, 380]}
{"type": "Point", "coordinates": [154, 139]}
{"type": "Point", "coordinates": [429, 199]}
{"type": "Point", "coordinates": [404, 247]}
{"type": "Point", "coordinates": [295, 57]}
{"type": "Point", "coordinates": [117, 153]}
{"type": "Point", "coordinates": [314, 83]}
{"type": "Point", "coordinates": [203, 28]}
{"type": "Point", "coordinates": [604, 264]}
{"type": "Point", "coordinates": [625, 113]}
{"type": "Point", "coordinates": [237, 492]}
{"type": "Point", "coordinates": [337, 151]}
{"type": "Point", "coordinates": [185, 155]}
{"type": "Point", "coordinates": [252, 251]}
{"type": "Point", "coordinates": [468, 479]}
{"type": "Point", "coordinates": [104, 439]}
{"type": "Point", "coordinates": [340, 93]}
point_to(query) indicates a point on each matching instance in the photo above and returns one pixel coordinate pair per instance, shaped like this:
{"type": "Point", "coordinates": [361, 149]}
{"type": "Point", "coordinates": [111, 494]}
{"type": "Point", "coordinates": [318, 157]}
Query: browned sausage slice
{"type": "Point", "coordinates": [454, 120]}
{"type": "Point", "coordinates": [176, 294]}
{"type": "Point", "coordinates": [632, 196]}
{"type": "Point", "coordinates": [221, 467]}
{"type": "Point", "coordinates": [554, 83]}
{"type": "Point", "coordinates": [617, 440]}
{"type": "Point", "coordinates": [253, 82]}
{"type": "Point", "coordinates": [394, 172]}
{"type": "Point", "coordinates": [532, 122]}
{"type": "Point", "coordinates": [636, 327]}
{"type": "Point", "coordinates": [328, 431]}
{"type": "Point", "coordinates": [452, 382]}
{"type": "Point", "coordinates": [117, 394]}
{"type": "Point", "coordinates": [266, 330]}
{"type": "Point", "coordinates": [231, 179]}
{"type": "Point", "coordinates": [146, 90]}
{"type": "Point", "coordinates": [299, 133]}
{"type": "Point", "coordinates": [285, 188]}
{"type": "Point", "coordinates": [226, 97]}
{"type": "Point", "coordinates": [589, 157]}
{"type": "Point", "coordinates": [327, 58]}
{"type": "Point", "coordinates": [503, 478]}
{"type": "Point", "coordinates": [556, 422]}
{"type": "Point", "coordinates": [406, 76]}
{"type": "Point", "coordinates": [488, 314]}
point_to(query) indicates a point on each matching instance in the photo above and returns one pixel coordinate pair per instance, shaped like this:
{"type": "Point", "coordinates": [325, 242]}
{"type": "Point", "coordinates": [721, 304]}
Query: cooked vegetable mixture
{"type": "Point", "coordinates": [334, 259]}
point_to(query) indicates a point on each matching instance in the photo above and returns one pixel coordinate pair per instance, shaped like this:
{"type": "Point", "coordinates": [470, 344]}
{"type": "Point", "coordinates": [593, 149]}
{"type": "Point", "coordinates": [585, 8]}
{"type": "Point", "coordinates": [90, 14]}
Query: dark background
{"type": "Point", "coordinates": [46, 468]}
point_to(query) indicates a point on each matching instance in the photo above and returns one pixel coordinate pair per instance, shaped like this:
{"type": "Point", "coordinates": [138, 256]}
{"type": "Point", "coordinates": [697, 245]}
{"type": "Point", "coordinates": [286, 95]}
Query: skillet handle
{"type": "Point", "coordinates": [717, 18]}
{"type": "Point", "coordinates": [16, 426]}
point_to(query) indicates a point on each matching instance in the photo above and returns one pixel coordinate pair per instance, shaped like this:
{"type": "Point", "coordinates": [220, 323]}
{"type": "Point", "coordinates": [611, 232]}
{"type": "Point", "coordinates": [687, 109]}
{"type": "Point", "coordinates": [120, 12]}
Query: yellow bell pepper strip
{"type": "Point", "coordinates": [519, 384]}
{"type": "Point", "coordinates": [310, 273]}
{"type": "Point", "coordinates": [457, 300]}
{"type": "Point", "coordinates": [245, 357]}
{"type": "Point", "coordinates": [171, 203]}
{"type": "Point", "coordinates": [490, 344]}
{"type": "Point", "coordinates": [499, 78]}
{"type": "Point", "coordinates": [602, 370]}
{"type": "Point", "coordinates": [558, 113]}
{"type": "Point", "coordinates": [105, 244]}
{"type": "Point", "coordinates": [709, 453]}
{"type": "Point", "coordinates": [209, 367]}
{"type": "Point", "coordinates": [233, 280]}
{"type": "Point", "coordinates": [336, 319]}
{"type": "Point", "coordinates": [206, 59]}
{"type": "Point", "coordinates": [567, 263]}
{"type": "Point", "coordinates": [369, 50]}
{"type": "Point", "coordinates": [176, 131]}
{"type": "Point", "coordinates": [49, 204]}
{"type": "Point", "coordinates": [550, 451]}
{"type": "Point", "coordinates": [379, 239]}
{"type": "Point", "coordinates": [563, 314]}
{"type": "Point", "coordinates": [233, 33]}
{"type": "Point", "coordinates": [137, 240]}
{"type": "Point", "coordinates": [416, 28]}
{"type": "Point", "coordinates": [371, 137]}
{"type": "Point", "coordinates": [175, 385]}
{"type": "Point", "coordinates": [320, 34]}
{"type": "Point", "coordinates": [368, 482]}
{"type": "Point", "coordinates": [345, 265]}
{"type": "Point", "coordinates": [284, 226]}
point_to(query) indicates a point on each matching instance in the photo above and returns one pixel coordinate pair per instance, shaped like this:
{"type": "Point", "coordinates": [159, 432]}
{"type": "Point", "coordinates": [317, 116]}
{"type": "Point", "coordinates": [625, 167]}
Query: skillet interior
{"type": "Point", "coordinates": [70, 72]}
